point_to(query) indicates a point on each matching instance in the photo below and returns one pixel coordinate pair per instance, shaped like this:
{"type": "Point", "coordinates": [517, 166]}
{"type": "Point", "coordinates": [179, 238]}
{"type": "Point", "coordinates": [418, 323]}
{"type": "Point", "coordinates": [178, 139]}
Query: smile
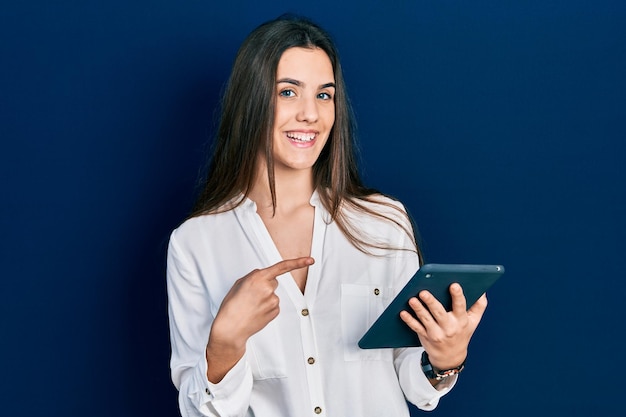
{"type": "Point", "coordinates": [301, 136]}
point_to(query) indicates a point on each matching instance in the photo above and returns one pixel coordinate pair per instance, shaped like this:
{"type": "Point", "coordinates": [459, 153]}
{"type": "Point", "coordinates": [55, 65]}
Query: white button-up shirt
{"type": "Point", "coordinates": [306, 361]}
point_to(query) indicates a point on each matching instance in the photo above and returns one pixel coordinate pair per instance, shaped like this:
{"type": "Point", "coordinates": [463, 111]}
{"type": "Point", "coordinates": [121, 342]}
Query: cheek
{"type": "Point", "coordinates": [279, 115]}
{"type": "Point", "coordinates": [330, 117]}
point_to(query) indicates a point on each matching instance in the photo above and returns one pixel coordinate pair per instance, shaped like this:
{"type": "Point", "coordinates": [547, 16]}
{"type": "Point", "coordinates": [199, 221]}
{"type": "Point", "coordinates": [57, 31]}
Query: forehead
{"type": "Point", "coordinates": [312, 63]}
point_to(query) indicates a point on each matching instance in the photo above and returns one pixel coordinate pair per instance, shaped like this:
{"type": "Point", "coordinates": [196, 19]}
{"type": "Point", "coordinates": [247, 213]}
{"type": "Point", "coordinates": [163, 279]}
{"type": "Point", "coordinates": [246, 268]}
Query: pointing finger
{"type": "Point", "coordinates": [288, 265]}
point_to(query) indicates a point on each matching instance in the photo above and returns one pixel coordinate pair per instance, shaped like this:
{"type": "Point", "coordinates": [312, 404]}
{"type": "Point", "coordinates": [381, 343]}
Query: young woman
{"type": "Point", "coordinates": [288, 258]}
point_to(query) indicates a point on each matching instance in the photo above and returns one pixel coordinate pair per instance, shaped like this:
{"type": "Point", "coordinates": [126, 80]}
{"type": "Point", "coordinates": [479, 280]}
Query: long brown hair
{"type": "Point", "coordinates": [246, 127]}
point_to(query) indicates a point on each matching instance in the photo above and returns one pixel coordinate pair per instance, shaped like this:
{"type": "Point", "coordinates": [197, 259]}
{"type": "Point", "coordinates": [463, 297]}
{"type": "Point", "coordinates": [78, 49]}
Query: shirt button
{"type": "Point", "coordinates": [305, 312]}
{"type": "Point", "coordinates": [207, 391]}
{"type": "Point", "coordinates": [376, 291]}
{"type": "Point", "coordinates": [311, 361]}
{"type": "Point", "coordinates": [318, 410]}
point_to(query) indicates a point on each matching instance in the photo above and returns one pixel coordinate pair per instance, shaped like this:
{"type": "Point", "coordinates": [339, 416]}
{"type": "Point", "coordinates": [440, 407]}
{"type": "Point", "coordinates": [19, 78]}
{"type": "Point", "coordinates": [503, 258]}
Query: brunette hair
{"type": "Point", "coordinates": [246, 126]}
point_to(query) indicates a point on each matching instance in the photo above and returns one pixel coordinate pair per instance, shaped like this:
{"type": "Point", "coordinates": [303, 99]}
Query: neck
{"type": "Point", "coordinates": [293, 188]}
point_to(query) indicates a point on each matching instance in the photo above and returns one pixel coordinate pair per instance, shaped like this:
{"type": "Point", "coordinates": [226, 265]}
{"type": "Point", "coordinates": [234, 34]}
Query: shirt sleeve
{"type": "Point", "coordinates": [190, 320]}
{"type": "Point", "coordinates": [416, 387]}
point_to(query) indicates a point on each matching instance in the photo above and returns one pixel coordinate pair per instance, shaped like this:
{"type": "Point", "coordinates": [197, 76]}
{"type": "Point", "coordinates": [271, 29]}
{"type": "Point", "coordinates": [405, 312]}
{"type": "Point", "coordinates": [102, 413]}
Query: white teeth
{"type": "Point", "coordinates": [301, 137]}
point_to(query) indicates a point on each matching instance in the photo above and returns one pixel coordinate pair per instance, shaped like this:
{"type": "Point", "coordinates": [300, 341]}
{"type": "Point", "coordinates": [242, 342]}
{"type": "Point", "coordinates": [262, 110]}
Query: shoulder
{"type": "Point", "coordinates": [380, 217]}
{"type": "Point", "coordinates": [201, 230]}
{"type": "Point", "coordinates": [379, 206]}
{"type": "Point", "coordinates": [213, 221]}
{"type": "Point", "coordinates": [380, 201]}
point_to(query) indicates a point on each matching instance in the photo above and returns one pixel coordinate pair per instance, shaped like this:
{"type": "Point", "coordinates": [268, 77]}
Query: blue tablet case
{"type": "Point", "coordinates": [389, 331]}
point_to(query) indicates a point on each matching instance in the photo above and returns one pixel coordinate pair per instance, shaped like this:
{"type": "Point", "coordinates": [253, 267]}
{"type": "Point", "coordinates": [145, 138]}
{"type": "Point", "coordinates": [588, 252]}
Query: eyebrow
{"type": "Point", "coordinates": [300, 83]}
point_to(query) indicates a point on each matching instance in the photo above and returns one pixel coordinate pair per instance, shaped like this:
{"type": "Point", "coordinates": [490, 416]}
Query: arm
{"type": "Point", "coordinates": [213, 377]}
{"type": "Point", "coordinates": [191, 320]}
{"type": "Point", "coordinates": [248, 307]}
{"type": "Point", "coordinates": [445, 336]}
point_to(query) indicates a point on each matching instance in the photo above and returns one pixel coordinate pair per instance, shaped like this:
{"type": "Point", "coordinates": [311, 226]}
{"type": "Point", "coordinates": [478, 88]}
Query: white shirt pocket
{"type": "Point", "coordinates": [361, 304]}
{"type": "Point", "coordinates": [266, 355]}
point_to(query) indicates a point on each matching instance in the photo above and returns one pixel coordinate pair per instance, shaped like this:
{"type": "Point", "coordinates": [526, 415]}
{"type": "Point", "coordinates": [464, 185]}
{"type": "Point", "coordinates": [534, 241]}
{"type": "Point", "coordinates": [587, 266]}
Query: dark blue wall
{"type": "Point", "coordinates": [500, 124]}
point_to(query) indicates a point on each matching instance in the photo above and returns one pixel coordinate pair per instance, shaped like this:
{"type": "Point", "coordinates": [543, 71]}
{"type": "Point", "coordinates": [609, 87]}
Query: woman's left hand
{"type": "Point", "coordinates": [445, 335]}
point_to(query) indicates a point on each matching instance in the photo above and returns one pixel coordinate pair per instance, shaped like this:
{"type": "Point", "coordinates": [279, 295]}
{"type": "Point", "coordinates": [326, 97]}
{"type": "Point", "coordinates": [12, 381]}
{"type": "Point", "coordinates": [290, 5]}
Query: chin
{"type": "Point", "coordinates": [294, 165]}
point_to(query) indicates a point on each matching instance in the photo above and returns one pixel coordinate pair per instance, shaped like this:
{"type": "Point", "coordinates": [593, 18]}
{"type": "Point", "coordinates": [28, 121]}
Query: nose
{"type": "Point", "coordinates": [308, 111]}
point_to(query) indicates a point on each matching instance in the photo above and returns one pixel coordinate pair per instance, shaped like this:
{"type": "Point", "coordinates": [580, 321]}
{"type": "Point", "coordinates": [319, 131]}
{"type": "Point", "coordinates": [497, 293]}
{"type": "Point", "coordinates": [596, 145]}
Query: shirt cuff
{"type": "Point", "coordinates": [230, 396]}
{"type": "Point", "coordinates": [417, 387]}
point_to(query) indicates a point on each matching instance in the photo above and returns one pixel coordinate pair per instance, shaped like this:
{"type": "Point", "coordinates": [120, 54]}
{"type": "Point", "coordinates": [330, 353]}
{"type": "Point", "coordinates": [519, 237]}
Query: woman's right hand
{"type": "Point", "coordinates": [248, 307]}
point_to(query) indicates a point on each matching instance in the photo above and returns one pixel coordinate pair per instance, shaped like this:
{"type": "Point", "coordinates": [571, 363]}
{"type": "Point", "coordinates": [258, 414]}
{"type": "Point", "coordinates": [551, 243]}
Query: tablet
{"type": "Point", "coordinates": [389, 331]}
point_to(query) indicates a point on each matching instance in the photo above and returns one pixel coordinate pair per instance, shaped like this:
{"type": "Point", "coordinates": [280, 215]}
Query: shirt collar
{"type": "Point", "coordinates": [249, 205]}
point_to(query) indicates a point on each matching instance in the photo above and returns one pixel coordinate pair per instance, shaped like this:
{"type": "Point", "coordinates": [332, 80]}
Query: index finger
{"type": "Point", "coordinates": [288, 265]}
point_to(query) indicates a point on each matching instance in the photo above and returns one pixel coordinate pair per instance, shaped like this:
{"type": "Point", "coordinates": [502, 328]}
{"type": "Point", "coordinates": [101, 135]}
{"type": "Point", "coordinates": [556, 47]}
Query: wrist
{"type": "Point", "coordinates": [434, 373]}
{"type": "Point", "coordinates": [447, 361]}
{"type": "Point", "coordinates": [224, 346]}
{"type": "Point", "coordinates": [221, 357]}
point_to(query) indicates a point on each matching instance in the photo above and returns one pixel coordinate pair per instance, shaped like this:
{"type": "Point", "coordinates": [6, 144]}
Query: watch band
{"type": "Point", "coordinates": [432, 373]}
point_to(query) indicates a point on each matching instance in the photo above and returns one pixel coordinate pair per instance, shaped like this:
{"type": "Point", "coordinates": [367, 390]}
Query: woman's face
{"type": "Point", "coordinates": [305, 107]}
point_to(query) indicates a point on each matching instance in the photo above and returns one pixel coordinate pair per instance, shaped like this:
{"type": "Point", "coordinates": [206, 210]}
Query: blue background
{"type": "Point", "coordinates": [500, 124]}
